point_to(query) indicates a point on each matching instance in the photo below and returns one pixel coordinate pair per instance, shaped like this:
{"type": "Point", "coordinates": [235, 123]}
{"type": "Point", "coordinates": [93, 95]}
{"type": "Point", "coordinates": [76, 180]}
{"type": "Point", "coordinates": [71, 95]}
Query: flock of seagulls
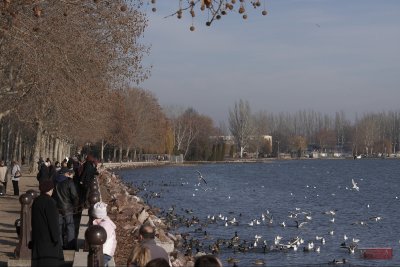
{"type": "Point", "coordinates": [197, 239]}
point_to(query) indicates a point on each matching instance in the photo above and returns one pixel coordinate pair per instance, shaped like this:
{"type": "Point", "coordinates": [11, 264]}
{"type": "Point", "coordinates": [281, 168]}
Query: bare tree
{"type": "Point", "coordinates": [261, 128]}
{"type": "Point", "coordinates": [145, 122]}
{"type": "Point", "coordinates": [240, 124]}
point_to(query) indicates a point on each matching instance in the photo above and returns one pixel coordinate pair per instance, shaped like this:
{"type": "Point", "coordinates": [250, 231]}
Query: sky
{"type": "Point", "coordinates": [321, 55]}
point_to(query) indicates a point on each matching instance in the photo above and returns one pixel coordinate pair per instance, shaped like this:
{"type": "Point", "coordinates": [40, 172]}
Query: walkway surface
{"type": "Point", "coordinates": [10, 210]}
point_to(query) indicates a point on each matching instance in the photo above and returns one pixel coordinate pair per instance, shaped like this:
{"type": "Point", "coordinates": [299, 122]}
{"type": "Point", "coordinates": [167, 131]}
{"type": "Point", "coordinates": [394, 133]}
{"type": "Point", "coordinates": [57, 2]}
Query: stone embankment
{"type": "Point", "coordinates": [128, 212]}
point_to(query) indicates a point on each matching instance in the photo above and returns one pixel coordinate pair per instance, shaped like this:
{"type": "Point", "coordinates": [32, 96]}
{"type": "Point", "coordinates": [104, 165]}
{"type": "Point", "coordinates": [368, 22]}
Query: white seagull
{"type": "Point", "coordinates": [355, 185]}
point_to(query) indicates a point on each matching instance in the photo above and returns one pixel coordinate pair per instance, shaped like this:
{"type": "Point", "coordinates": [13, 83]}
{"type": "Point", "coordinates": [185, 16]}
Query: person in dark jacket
{"type": "Point", "coordinates": [67, 201]}
{"type": "Point", "coordinates": [46, 243]}
{"type": "Point", "coordinates": [89, 171]}
{"type": "Point", "coordinates": [43, 173]}
{"type": "Point", "coordinates": [52, 171]}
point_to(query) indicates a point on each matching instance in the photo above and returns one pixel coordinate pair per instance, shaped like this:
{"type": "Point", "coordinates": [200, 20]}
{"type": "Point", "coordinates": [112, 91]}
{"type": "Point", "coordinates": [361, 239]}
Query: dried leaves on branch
{"type": "Point", "coordinates": [214, 9]}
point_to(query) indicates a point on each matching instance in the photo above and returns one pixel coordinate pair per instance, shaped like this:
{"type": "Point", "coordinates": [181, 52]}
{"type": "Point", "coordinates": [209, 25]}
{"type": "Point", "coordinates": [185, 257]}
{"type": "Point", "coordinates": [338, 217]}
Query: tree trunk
{"type": "Point", "coordinates": [102, 150]}
{"type": "Point", "coordinates": [120, 153]}
{"type": "Point", "coordinates": [1, 141]}
{"type": "Point", "coordinates": [48, 141]}
{"type": "Point", "coordinates": [51, 148]}
{"type": "Point", "coordinates": [15, 147]}
{"type": "Point", "coordinates": [8, 143]}
{"type": "Point", "coordinates": [67, 151]}
{"type": "Point", "coordinates": [56, 149]}
{"type": "Point", "coordinates": [60, 150]}
{"type": "Point", "coordinates": [19, 157]}
{"type": "Point", "coordinates": [36, 147]}
{"type": "Point", "coordinates": [115, 154]}
{"type": "Point", "coordinates": [127, 153]}
{"type": "Point", "coordinates": [43, 146]}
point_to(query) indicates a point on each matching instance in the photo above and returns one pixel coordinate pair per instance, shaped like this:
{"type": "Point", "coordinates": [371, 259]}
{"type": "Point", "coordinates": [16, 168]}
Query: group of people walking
{"type": "Point", "coordinates": [56, 213]}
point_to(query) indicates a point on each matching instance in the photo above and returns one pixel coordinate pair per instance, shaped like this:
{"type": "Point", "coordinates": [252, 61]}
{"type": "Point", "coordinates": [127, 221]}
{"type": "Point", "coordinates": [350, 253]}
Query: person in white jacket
{"type": "Point", "coordinates": [4, 175]}
{"type": "Point", "coordinates": [101, 218]}
{"type": "Point", "coordinates": [15, 175]}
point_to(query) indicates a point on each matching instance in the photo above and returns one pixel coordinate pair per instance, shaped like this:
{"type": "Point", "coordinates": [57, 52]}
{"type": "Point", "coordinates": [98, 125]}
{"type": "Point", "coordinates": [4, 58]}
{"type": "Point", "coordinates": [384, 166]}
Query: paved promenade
{"type": "Point", "coordinates": [10, 209]}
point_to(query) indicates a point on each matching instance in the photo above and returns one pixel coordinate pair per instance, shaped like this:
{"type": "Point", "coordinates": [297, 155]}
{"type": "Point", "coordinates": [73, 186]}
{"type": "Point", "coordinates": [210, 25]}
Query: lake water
{"type": "Point", "coordinates": [245, 191]}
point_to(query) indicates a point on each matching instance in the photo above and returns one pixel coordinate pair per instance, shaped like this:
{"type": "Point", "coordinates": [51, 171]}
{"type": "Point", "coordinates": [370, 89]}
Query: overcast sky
{"type": "Point", "coordinates": [324, 55]}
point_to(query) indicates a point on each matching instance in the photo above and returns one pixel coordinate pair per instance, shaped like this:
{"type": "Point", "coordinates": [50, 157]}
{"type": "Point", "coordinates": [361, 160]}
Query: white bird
{"type": "Point", "coordinates": [299, 225]}
{"type": "Point", "coordinates": [283, 224]}
{"type": "Point", "coordinates": [355, 240]}
{"type": "Point", "coordinates": [376, 218]}
{"type": "Point", "coordinates": [345, 237]}
{"type": "Point", "coordinates": [277, 239]}
{"type": "Point", "coordinates": [310, 246]}
{"type": "Point", "coordinates": [355, 185]}
{"type": "Point", "coordinates": [330, 212]}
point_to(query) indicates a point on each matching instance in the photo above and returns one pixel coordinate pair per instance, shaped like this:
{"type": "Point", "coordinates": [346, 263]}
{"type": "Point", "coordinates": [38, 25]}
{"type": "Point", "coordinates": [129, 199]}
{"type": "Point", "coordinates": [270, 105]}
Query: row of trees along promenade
{"type": "Point", "coordinates": [132, 137]}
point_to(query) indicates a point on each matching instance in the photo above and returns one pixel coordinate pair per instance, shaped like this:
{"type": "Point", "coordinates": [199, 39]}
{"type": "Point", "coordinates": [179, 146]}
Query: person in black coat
{"type": "Point", "coordinates": [89, 170]}
{"type": "Point", "coordinates": [43, 173]}
{"type": "Point", "coordinates": [67, 200]}
{"type": "Point", "coordinates": [46, 244]}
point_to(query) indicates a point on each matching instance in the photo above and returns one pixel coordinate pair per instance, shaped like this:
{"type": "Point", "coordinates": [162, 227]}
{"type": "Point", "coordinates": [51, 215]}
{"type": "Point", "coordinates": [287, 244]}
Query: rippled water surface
{"type": "Point", "coordinates": [245, 191]}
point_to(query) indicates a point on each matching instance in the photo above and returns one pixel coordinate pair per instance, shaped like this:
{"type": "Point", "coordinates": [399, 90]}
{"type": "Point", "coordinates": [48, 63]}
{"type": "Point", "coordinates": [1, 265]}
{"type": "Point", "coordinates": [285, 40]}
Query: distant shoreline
{"type": "Point", "coordinates": [144, 164]}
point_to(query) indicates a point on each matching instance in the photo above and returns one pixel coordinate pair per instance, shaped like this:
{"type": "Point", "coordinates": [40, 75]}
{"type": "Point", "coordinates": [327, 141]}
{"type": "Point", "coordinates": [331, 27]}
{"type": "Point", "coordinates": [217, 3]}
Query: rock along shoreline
{"type": "Point", "coordinates": [128, 212]}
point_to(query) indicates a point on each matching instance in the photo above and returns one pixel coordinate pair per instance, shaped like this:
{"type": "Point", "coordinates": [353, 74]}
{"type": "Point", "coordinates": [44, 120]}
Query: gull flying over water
{"type": "Point", "coordinates": [355, 185]}
{"type": "Point", "coordinates": [200, 177]}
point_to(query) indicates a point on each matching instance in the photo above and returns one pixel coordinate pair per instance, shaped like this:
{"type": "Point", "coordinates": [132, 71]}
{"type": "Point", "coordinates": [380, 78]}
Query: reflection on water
{"type": "Point", "coordinates": [318, 192]}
